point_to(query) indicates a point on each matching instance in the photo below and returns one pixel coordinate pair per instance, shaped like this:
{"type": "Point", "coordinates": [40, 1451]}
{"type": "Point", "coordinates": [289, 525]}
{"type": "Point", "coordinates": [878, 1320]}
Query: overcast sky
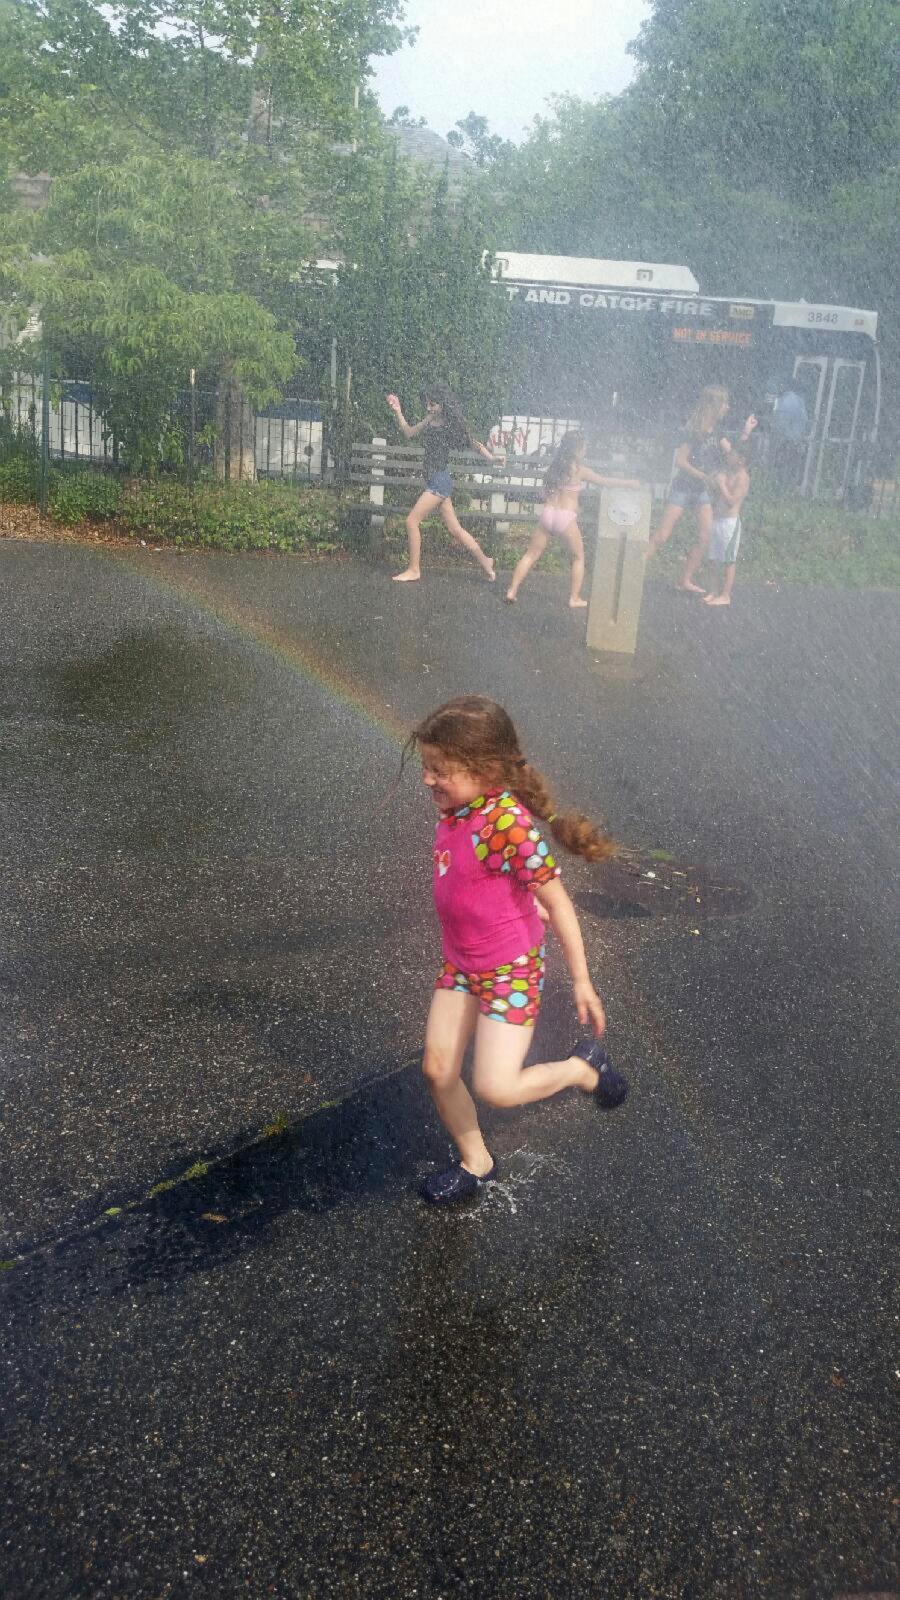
{"type": "Point", "coordinates": [505, 58]}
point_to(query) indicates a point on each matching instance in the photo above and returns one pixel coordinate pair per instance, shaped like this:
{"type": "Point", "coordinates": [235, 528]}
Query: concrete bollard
{"type": "Point", "coordinates": [614, 608]}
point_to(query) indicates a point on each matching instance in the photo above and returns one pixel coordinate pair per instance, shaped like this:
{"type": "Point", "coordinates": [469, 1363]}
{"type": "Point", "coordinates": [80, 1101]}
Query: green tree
{"type": "Point", "coordinates": [472, 135]}
{"type": "Point", "coordinates": [402, 117]}
{"type": "Point", "coordinates": [791, 97]}
{"type": "Point", "coordinates": [419, 305]}
{"type": "Point", "coordinates": [195, 150]}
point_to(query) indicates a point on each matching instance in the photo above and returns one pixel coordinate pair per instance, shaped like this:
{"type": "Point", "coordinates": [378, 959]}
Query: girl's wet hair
{"type": "Point", "coordinates": [478, 735]}
{"type": "Point", "coordinates": [440, 394]}
{"type": "Point", "coordinates": [560, 469]}
{"type": "Point", "coordinates": [708, 410]}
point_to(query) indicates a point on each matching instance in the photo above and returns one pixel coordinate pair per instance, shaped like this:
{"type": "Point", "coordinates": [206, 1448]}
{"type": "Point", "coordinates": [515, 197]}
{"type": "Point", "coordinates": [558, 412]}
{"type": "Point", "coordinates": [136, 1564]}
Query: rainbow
{"type": "Point", "coordinates": [281, 642]}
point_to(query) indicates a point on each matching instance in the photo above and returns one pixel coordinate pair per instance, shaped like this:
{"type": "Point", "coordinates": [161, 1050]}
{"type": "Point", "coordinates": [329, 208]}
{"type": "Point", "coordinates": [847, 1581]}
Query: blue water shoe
{"type": "Point", "coordinates": [612, 1088]}
{"type": "Point", "coordinates": [446, 1188]}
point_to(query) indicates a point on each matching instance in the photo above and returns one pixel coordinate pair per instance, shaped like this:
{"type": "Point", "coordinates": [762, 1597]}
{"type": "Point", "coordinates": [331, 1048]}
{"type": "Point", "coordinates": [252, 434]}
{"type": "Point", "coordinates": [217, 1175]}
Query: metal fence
{"type": "Point", "coordinates": [287, 439]}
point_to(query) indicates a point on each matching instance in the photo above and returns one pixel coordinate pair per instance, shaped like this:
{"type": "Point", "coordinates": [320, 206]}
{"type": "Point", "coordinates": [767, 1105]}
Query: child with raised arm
{"type": "Point", "coordinates": [494, 875]}
{"type": "Point", "coordinates": [729, 490]}
{"type": "Point", "coordinates": [564, 480]}
{"type": "Point", "coordinates": [444, 428]}
{"type": "Point", "coordinates": [698, 454]}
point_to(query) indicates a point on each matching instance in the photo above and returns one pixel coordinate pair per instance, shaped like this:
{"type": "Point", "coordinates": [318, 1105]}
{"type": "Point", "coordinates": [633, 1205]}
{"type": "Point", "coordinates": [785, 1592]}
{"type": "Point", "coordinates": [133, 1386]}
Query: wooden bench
{"type": "Point", "coordinates": [500, 495]}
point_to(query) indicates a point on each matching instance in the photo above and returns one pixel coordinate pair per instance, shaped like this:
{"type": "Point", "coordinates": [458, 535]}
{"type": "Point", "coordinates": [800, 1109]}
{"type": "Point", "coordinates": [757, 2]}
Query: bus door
{"type": "Point", "coordinates": [814, 370]}
{"type": "Point", "coordinates": [838, 431]}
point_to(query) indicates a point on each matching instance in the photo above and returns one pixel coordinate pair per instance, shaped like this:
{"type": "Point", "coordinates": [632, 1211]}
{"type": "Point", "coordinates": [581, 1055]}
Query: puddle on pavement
{"type": "Point", "coordinates": [122, 721]}
{"type": "Point", "coordinates": [147, 681]}
{"type": "Point", "coordinates": [649, 886]}
{"type": "Point", "coordinates": [133, 695]}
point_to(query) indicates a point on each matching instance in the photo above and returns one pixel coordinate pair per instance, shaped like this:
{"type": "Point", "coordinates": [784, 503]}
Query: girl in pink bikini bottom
{"type": "Point", "coordinates": [564, 480]}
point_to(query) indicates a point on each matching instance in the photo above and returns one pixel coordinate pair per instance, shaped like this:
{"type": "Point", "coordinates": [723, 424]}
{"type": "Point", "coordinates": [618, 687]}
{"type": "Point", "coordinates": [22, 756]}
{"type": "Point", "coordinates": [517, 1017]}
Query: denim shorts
{"type": "Point", "coordinates": [440, 483]}
{"type": "Point", "coordinates": [688, 499]}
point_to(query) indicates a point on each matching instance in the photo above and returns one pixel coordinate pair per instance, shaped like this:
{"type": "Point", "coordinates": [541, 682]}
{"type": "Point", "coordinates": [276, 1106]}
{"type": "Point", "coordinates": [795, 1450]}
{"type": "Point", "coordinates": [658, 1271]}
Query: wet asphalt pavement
{"type": "Point", "coordinates": [658, 1360]}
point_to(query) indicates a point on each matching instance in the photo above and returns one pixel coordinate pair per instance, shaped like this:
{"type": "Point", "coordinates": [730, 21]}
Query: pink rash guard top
{"type": "Point", "coordinates": [487, 856]}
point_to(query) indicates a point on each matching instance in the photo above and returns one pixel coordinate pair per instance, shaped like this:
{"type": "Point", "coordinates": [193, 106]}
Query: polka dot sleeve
{"type": "Point", "coordinates": [509, 840]}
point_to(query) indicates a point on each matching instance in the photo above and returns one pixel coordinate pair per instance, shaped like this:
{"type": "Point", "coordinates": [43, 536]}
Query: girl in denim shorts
{"type": "Point", "coordinates": [443, 428]}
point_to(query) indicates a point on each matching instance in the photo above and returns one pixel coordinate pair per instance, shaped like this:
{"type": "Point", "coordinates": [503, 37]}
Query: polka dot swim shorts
{"type": "Point", "coordinates": [511, 993]}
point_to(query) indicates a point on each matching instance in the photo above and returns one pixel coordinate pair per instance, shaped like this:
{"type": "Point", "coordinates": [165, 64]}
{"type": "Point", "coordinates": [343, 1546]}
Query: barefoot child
{"type": "Point", "coordinates": [492, 872]}
{"type": "Point", "coordinates": [563, 482]}
{"type": "Point", "coordinates": [698, 454]}
{"type": "Point", "coordinates": [444, 428]}
{"type": "Point", "coordinates": [729, 489]}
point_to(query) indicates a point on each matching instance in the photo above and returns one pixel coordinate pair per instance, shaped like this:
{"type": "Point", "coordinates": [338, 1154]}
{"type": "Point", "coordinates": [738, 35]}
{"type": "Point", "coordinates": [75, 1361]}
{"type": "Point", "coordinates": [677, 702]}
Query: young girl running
{"type": "Point", "coordinates": [444, 428]}
{"type": "Point", "coordinates": [495, 884]}
{"type": "Point", "coordinates": [564, 480]}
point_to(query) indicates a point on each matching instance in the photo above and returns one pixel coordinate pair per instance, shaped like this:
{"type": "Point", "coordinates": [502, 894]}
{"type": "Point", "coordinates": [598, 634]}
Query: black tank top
{"type": "Point", "coordinates": [705, 454]}
{"type": "Point", "coordinates": [438, 442]}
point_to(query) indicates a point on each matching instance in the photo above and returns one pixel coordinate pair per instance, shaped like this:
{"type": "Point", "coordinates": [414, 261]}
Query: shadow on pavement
{"type": "Point", "coordinates": [376, 1140]}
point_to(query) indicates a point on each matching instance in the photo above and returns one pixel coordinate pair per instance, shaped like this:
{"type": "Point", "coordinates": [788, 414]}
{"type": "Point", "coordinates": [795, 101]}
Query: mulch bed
{"type": "Point", "coordinates": [26, 523]}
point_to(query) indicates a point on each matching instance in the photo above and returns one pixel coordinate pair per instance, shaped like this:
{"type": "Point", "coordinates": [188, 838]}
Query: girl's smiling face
{"type": "Point", "coordinates": [451, 786]}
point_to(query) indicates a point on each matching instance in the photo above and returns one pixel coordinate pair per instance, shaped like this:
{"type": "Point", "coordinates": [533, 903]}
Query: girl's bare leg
{"type": "Point", "coordinates": [698, 552]}
{"type": "Point", "coordinates": [426, 503]}
{"type": "Point", "coordinates": [525, 562]}
{"type": "Point", "coordinates": [575, 542]}
{"type": "Point", "coordinates": [451, 1023]}
{"type": "Point", "coordinates": [500, 1078]}
{"type": "Point", "coordinates": [454, 526]}
{"type": "Point", "coordinates": [671, 516]}
{"type": "Point", "coordinates": [724, 598]}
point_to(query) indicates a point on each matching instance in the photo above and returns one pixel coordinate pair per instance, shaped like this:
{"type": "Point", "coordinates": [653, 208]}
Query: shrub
{"type": "Point", "coordinates": [159, 512]}
{"type": "Point", "coordinates": [251, 516]}
{"type": "Point", "coordinates": [18, 480]}
{"type": "Point", "coordinates": [84, 496]}
{"type": "Point", "coordinates": [266, 516]}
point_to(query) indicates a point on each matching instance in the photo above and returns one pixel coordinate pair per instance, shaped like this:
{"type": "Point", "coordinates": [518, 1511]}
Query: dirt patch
{"type": "Point", "coordinates": [26, 523]}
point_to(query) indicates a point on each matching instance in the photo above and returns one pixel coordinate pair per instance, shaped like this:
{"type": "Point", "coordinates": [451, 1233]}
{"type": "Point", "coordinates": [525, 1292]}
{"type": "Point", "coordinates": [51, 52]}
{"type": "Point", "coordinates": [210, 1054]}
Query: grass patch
{"type": "Point", "coordinates": [163, 1186]}
{"type": "Point", "coordinates": [788, 540]}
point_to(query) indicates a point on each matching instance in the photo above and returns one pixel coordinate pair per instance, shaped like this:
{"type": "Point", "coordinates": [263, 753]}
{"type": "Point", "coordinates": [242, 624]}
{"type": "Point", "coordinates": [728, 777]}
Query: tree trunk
{"type": "Point", "coordinates": [235, 455]}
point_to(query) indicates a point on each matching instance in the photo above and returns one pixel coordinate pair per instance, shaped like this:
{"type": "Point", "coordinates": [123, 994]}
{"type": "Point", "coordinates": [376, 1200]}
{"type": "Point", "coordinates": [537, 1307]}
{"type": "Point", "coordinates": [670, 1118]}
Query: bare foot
{"type": "Point", "coordinates": [511, 598]}
{"type": "Point", "coordinates": [406, 577]}
{"type": "Point", "coordinates": [577, 605]}
{"type": "Point", "coordinates": [489, 572]}
{"type": "Point", "coordinates": [717, 600]}
{"type": "Point", "coordinates": [690, 588]}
